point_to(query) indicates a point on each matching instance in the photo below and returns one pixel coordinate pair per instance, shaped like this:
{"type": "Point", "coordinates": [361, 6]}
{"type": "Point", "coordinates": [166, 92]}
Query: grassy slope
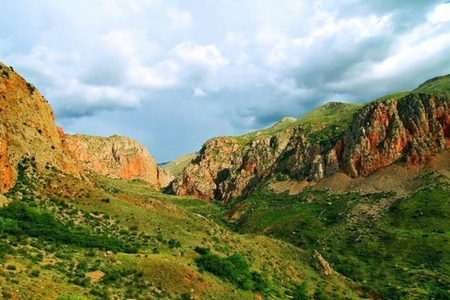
{"type": "Point", "coordinates": [140, 216]}
{"type": "Point", "coordinates": [440, 84]}
{"type": "Point", "coordinates": [401, 253]}
{"type": "Point", "coordinates": [324, 122]}
{"type": "Point", "coordinates": [177, 165]}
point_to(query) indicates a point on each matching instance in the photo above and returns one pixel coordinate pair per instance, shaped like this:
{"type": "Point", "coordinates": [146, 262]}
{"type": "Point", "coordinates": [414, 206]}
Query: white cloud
{"type": "Point", "coordinates": [198, 92]}
{"type": "Point", "coordinates": [440, 14]}
{"type": "Point", "coordinates": [206, 56]}
{"type": "Point", "coordinates": [121, 41]}
{"type": "Point", "coordinates": [162, 75]}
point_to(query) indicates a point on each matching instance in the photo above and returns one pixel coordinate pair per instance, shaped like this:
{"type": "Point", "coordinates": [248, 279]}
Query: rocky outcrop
{"type": "Point", "coordinates": [322, 264]}
{"type": "Point", "coordinates": [116, 157]}
{"type": "Point", "coordinates": [27, 128]}
{"type": "Point", "coordinates": [410, 129]}
{"type": "Point", "coordinates": [230, 167]}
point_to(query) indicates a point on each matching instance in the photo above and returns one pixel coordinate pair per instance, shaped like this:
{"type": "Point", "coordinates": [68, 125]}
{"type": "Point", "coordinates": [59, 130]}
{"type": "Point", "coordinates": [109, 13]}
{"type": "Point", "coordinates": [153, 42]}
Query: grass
{"type": "Point", "coordinates": [393, 96]}
{"type": "Point", "coordinates": [439, 85]}
{"type": "Point", "coordinates": [398, 254]}
{"type": "Point", "coordinates": [401, 253]}
{"type": "Point", "coordinates": [323, 123]}
{"type": "Point", "coordinates": [177, 165]}
{"type": "Point", "coordinates": [136, 214]}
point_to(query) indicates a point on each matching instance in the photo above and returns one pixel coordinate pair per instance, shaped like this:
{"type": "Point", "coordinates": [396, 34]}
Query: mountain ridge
{"type": "Point", "coordinates": [357, 141]}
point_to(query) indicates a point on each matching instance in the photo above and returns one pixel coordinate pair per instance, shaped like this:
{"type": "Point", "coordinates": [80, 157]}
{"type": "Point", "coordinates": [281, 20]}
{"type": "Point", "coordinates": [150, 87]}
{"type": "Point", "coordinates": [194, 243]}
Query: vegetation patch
{"type": "Point", "coordinates": [20, 220]}
{"type": "Point", "coordinates": [233, 268]}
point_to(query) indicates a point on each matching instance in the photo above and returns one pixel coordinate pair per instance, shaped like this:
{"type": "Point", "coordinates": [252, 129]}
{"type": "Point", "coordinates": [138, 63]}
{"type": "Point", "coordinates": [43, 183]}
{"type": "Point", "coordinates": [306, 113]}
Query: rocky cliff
{"type": "Point", "coordinates": [116, 157]}
{"type": "Point", "coordinates": [27, 129]}
{"type": "Point", "coordinates": [410, 128]}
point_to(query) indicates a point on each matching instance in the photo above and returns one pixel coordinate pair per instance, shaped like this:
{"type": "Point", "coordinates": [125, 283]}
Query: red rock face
{"type": "Point", "coordinates": [116, 157]}
{"type": "Point", "coordinates": [411, 129]}
{"type": "Point", "coordinates": [27, 129]}
{"type": "Point", "coordinates": [6, 171]}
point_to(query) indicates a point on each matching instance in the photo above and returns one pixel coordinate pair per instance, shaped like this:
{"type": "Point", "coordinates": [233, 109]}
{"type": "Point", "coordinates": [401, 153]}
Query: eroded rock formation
{"type": "Point", "coordinates": [411, 128]}
{"type": "Point", "coordinates": [116, 157]}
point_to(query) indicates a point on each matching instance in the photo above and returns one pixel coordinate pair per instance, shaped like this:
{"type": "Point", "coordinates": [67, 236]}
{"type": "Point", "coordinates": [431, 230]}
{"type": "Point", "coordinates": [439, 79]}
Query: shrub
{"type": "Point", "coordinates": [300, 292]}
{"type": "Point", "coordinates": [202, 250]}
{"type": "Point", "coordinates": [27, 221]}
{"type": "Point", "coordinates": [234, 268]}
{"type": "Point", "coordinates": [173, 243]}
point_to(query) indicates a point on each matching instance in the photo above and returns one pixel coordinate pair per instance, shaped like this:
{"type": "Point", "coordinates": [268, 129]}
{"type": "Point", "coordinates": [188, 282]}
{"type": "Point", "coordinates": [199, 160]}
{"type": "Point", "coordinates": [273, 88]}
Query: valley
{"type": "Point", "coordinates": [347, 202]}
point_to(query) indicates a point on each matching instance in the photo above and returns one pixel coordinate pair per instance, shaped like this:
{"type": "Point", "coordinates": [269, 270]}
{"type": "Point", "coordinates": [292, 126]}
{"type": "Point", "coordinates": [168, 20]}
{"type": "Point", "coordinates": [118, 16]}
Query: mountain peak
{"type": "Point", "coordinates": [336, 137]}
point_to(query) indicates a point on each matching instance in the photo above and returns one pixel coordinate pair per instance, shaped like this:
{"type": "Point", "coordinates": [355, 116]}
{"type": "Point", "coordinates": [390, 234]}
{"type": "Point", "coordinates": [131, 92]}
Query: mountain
{"type": "Point", "coordinates": [116, 157]}
{"type": "Point", "coordinates": [335, 138]}
{"type": "Point", "coordinates": [177, 165]}
{"type": "Point", "coordinates": [347, 202]}
{"type": "Point", "coordinates": [75, 225]}
{"type": "Point", "coordinates": [28, 131]}
{"type": "Point", "coordinates": [368, 185]}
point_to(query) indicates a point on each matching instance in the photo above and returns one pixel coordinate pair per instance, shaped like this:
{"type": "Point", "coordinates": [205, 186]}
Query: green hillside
{"type": "Point", "coordinates": [112, 239]}
{"type": "Point", "coordinates": [323, 122]}
{"type": "Point", "coordinates": [399, 252]}
{"type": "Point", "coordinates": [440, 84]}
{"type": "Point", "coordinates": [177, 165]}
{"type": "Point", "coordinates": [101, 238]}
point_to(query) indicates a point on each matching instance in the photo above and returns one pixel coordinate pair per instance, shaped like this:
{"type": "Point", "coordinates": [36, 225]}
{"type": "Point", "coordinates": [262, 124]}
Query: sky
{"type": "Point", "coordinates": [172, 74]}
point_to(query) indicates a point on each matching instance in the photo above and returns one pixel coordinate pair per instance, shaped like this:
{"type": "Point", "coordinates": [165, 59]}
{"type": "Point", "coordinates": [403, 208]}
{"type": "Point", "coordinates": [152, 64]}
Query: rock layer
{"type": "Point", "coordinates": [116, 157]}
{"type": "Point", "coordinates": [410, 129]}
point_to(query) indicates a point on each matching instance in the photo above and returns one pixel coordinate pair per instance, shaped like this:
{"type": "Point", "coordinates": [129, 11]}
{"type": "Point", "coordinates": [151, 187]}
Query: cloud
{"type": "Point", "coordinates": [198, 92]}
{"type": "Point", "coordinates": [78, 99]}
{"type": "Point", "coordinates": [216, 67]}
{"type": "Point", "coordinates": [440, 14]}
{"type": "Point", "coordinates": [207, 57]}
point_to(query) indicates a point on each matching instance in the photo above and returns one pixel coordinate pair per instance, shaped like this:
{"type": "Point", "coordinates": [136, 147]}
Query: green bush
{"type": "Point", "coordinates": [300, 292]}
{"type": "Point", "coordinates": [173, 243]}
{"type": "Point", "coordinates": [233, 268]}
{"type": "Point", "coordinates": [19, 219]}
{"type": "Point", "coordinates": [202, 250]}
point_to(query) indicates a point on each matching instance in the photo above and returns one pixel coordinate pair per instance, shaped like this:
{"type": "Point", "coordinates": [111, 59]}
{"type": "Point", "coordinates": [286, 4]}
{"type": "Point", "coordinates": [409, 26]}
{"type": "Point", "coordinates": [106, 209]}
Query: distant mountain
{"type": "Point", "coordinates": [177, 165]}
{"type": "Point", "coordinates": [116, 157]}
{"type": "Point", "coordinates": [356, 140]}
